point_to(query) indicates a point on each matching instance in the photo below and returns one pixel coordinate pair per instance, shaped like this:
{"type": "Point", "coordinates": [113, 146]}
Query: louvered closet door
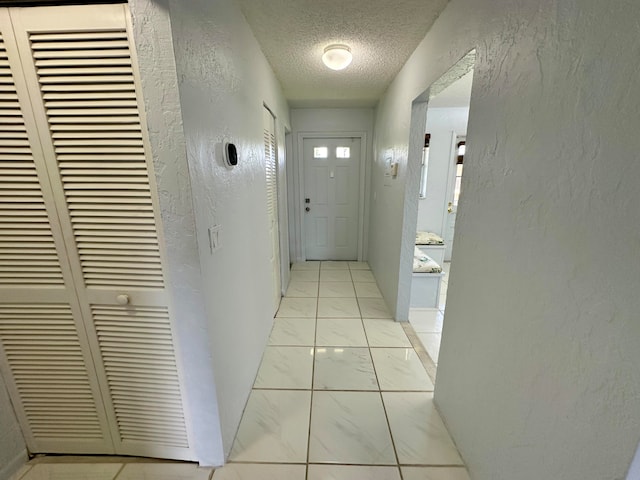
{"type": "Point", "coordinates": [272, 200]}
{"type": "Point", "coordinates": [85, 89]}
{"type": "Point", "coordinates": [44, 354]}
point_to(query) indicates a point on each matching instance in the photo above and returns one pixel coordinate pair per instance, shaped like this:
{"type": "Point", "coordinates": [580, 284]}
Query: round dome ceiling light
{"type": "Point", "coordinates": [337, 57]}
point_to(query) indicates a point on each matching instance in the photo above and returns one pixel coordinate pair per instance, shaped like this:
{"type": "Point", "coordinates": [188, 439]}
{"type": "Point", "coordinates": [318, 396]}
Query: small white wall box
{"type": "Point", "coordinates": [230, 154]}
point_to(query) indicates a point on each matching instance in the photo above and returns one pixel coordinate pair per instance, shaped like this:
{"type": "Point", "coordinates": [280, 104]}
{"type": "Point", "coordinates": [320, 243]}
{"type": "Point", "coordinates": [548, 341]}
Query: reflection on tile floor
{"type": "Point", "coordinates": [427, 322]}
{"type": "Point", "coordinates": [341, 393]}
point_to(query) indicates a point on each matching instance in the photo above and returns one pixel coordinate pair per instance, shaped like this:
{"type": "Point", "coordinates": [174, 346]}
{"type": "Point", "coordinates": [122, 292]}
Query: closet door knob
{"type": "Point", "coordinates": [122, 299]}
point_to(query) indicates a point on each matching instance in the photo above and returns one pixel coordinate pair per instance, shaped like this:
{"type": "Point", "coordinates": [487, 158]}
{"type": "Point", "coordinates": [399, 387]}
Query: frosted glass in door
{"type": "Point", "coordinates": [331, 196]}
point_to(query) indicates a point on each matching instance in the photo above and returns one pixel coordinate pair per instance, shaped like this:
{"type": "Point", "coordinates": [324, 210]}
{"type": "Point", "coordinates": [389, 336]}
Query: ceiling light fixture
{"type": "Point", "coordinates": [337, 57]}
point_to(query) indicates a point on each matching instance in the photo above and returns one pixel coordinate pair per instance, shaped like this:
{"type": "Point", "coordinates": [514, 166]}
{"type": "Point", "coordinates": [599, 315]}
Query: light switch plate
{"type": "Point", "coordinates": [214, 238]}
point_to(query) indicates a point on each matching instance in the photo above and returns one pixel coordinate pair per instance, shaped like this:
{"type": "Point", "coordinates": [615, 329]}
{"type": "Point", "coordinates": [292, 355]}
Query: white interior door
{"type": "Point", "coordinates": [331, 198]}
{"type": "Point", "coordinates": [270, 155]}
{"type": "Point", "coordinates": [453, 196]}
{"type": "Point", "coordinates": [80, 77]}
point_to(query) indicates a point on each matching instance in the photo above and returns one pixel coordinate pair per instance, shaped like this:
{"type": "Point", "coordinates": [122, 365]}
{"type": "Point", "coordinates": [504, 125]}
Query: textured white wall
{"type": "Point", "coordinates": [440, 123]}
{"type": "Point", "coordinates": [152, 34]}
{"type": "Point", "coordinates": [319, 120]}
{"type": "Point", "coordinates": [13, 449]}
{"type": "Point", "coordinates": [538, 374]}
{"type": "Point", "coordinates": [224, 80]}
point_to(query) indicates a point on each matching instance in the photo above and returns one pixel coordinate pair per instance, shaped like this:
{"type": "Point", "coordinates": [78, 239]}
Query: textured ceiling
{"type": "Point", "coordinates": [382, 34]}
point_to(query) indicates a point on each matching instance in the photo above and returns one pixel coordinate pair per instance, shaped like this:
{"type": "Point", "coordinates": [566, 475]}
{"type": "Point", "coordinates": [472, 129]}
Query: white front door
{"type": "Point", "coordinates": [331, 195]}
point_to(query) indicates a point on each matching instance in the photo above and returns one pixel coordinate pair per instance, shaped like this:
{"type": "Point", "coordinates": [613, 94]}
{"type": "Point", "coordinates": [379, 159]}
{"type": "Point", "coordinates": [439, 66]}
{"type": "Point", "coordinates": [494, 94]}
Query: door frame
{"type": "Point", "coordinates": [419, 108]}
{"type": "Point", "coordinates": [299, 210]}
{"type": "Point", "coordinates": [451, 181]}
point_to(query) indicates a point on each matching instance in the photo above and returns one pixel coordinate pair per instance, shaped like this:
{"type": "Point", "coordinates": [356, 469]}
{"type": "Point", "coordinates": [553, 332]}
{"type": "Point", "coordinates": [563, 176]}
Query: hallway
{"type": "Point", "coordinates": [341, 393]}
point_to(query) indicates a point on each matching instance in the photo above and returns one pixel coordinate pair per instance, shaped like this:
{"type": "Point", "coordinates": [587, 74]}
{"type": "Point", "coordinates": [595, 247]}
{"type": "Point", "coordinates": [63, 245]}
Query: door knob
{"type": "Point", "coordinates": [307, 209]}
{"type": "Point", "coordinates": [122, 299]}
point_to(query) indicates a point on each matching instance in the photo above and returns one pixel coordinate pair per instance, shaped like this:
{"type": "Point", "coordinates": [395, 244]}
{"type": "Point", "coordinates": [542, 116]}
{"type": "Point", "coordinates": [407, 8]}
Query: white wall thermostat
{"type": "Point", "coordinates": [229, 154]}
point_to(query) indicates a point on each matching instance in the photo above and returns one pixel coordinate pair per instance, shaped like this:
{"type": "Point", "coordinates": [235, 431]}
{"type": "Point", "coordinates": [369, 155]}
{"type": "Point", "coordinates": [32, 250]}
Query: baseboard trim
{"type": "Point", "coordinates": [14, 465]}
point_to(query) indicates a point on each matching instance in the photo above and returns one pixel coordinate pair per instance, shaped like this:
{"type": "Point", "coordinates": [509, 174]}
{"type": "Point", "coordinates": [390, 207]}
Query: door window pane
{"type": "Point", "coordinates": [343, 152]}
{"type": "Point", "coordinates": [320, 152]}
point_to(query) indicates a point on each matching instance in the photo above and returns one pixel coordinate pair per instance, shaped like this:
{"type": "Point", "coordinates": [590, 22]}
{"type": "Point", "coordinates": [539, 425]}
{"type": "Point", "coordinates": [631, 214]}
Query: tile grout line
{"type": "Point", "coordinates": [313, 369]}
{"type": "Point", "coordinates": [120, 471]}
{"type": "Point", "coordinates": [375, 372]}
{"type": "Point", "coordinates": [426, 360]}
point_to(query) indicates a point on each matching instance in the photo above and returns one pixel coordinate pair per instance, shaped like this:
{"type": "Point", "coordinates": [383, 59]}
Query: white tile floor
{"type": "Point", "coordinates": [427, 322]}
{"type": "Point", "coordinates": [108, 468]}
{"type": "Point", "coordinates": [341, 393]}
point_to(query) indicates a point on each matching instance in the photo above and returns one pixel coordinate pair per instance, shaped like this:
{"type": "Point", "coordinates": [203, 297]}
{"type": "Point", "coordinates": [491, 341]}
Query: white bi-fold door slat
{"type": "Point", "coordinates": [80, 72]}
{"type": "Point", "coordinates": [271, 174]}
{"type": "Point", "coordinates": [46, 361]}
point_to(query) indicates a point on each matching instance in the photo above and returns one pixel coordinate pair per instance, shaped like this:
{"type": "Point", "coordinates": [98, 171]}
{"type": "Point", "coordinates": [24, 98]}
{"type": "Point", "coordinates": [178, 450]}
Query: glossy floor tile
{"type": "Point", "coordinates": [298, 307]}
{"type": "Point", "coordinates": [243, 471]}
{"type": "Point", "coordinates": [352, 472]}
{"type": "Point", "coordinates": [367, 290]}
{"type": "Point", "coordinates": [338, 308]}
{"type": "Point", "coordinates": [344, 369]}
{"type": "Point", "coordinates": [76, 471]}
{"type": "Point", "coordinates": [302, 289]}
{"type": "Point", "coordinates": [426, 320]}
{"type": "Point", "coordinates": [73, 467]}
{"type": "Point", "coordinates": [431, 343]}
{"type": "Point", "coordinates": [274, 427]}
{"type": "Point", "coordinates": [384, 332]}
{"type": "Point", "coordinates": [293, 331]}
{"type": "Point", "coordinates": [358, 266]}
{"type": "Point", "coordinates": [400, 369]}
{"type": "Point", "coordinates": [285, 367]}
{"type": "Point", "coordinates": [360, 407]}
{"type": "Point", "coordinates": [305, 276]}
{"type": "Point", "coordinates": [419, 434]}
{"type": "Point", "coordinates": [340, 332]}
{"type": "Point", "coordinates": [334, 265]}
{"type": "Point", "coordinates": [337, 289]}
{"type": "Point", "coordinates": [349, 428]}
{"type": "Point", "coordinates": [334, 275]}
{"type": "Point", "coordinates": [340, 394]}
{"type": "Point", "coordinates": [434, 473]}
{"type": "Point", "coordinates": [362, 276]}
{"type": "Point", "coordinates": [163, 471]}
{"type": "Point", "coordinates": [313, 266]}
{"type": "Point", "coordinates": [373, 308]}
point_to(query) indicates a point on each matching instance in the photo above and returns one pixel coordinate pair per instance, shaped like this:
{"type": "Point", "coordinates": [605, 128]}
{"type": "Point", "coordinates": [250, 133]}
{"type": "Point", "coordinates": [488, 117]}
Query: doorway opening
{"type": "Point", "coordinates": [439, 122]}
